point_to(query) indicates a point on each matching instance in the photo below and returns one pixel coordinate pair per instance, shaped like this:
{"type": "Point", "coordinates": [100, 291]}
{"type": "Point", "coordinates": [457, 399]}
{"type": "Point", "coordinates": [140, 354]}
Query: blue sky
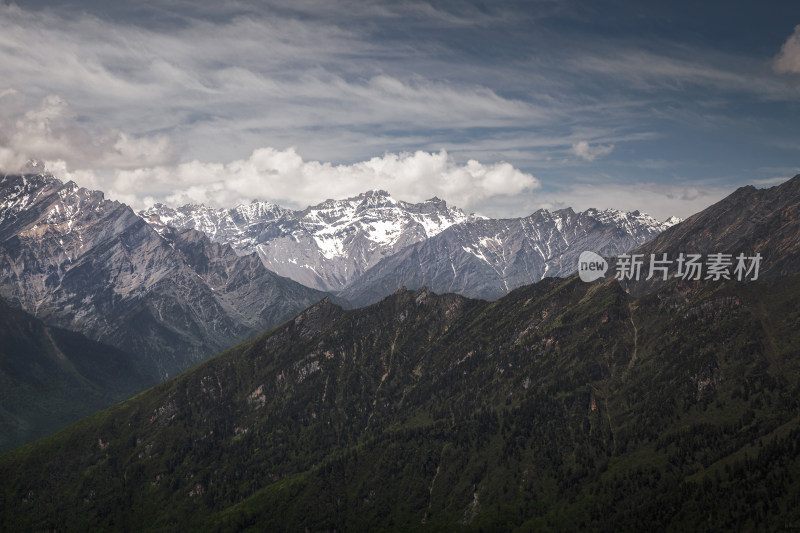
{"type": "Point", "coordinates": [498, 107]}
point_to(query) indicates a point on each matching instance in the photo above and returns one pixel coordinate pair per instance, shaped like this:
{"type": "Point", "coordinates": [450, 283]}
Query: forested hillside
{"type": "Point", "coordinates": [564, 404]}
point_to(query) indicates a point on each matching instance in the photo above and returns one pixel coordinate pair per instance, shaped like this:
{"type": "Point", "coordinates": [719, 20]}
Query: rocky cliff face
{"type": "Point", "coordinates": [488, 258]}
{"type": "Point", "coordinates": [78, 261]}
{"type": "Point", "coordinates": [325, 246]}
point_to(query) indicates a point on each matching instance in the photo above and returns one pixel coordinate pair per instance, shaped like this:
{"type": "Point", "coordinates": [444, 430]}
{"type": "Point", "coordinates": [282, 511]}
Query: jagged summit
{"type": "Point", "coordinates": [375, 192]}
{"type": "Point", "coordinates": [15, 183]}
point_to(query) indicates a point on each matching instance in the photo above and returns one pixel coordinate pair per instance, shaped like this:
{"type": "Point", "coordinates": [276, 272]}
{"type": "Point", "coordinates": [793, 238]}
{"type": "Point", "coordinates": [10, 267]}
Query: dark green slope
{"type": "Point", "coordinates": [50, 377]}
{"type": "Point", "coordinates": [561, 406]}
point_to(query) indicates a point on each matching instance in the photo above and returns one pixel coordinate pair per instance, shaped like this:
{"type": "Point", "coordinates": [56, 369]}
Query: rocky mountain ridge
{"type": "Point", "coordinates": [563, 405]}
{"type": "Point", "coordinates": [76, 260]}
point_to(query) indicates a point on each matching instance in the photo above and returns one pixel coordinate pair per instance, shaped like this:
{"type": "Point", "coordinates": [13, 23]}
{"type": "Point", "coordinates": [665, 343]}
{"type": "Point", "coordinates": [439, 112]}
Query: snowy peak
{"type": "Point", "coordinates": [548, 234]}
{"type": "Point", "coordinates": [232, 226]}
{"type": "Point", "coordinates": [40, 206]}
{"type": "Point", "coordinates": [376, 199]}
{"type": "Point", "coordinates": [18, 192]}
{"type": "Point", "coordinates": [378, 217]}
{"type": "Point", "coordinates": [258, 210]}
{"type": "Point", "coordinates": [377, 204]}
{"type": "Point", "coordinates": [634, 218]}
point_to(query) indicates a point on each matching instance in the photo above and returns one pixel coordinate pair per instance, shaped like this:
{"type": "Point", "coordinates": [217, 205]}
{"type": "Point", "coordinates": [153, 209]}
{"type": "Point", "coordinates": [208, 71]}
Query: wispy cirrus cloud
{"type": "Point", "coordinates": [263, 79]}
{"type": "Point", "coordinates": [678, 68]}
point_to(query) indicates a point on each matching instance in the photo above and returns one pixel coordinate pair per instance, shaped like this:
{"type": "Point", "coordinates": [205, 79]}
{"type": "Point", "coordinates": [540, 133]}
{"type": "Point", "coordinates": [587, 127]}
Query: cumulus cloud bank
{"type": "Point", "coordinates": [284, 177]}
{"type": "Point", "coordinates": [141, 169]}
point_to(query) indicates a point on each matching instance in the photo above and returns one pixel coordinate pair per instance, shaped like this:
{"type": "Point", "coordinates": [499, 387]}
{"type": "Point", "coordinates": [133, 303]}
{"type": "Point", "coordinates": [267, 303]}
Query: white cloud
{"type": "Point", "coordinates": [284, 177]}
{"type": "Point", "coordinates": [586, 152]}
{"type": "Point", "coordinates": [131, 168]}
{"type": "Point", "coordinates": [788, 59]}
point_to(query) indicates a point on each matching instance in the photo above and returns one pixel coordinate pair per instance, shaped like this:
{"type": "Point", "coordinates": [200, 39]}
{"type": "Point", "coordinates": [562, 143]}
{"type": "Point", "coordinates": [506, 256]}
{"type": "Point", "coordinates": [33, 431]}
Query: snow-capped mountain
{"type": "Point", "coordinates": [488, 258]}
{"type": "Point", "coordinates": [367, 246]}
{"type": "Point", "coordinates": [78, 261]}
{"type": "Point", "coordinates": [326, 246]}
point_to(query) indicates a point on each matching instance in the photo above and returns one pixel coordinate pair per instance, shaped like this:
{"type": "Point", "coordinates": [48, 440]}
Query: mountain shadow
{"type": "Point", "coordinates": [50, 377]}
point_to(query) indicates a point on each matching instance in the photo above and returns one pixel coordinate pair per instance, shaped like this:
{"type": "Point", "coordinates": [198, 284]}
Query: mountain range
{"type": "Point", "coordinates": [365, 247]}
{"type": "Point", "coordinates": [563, 405]}
{"type": "Point", "coordinates": [166, 296]}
